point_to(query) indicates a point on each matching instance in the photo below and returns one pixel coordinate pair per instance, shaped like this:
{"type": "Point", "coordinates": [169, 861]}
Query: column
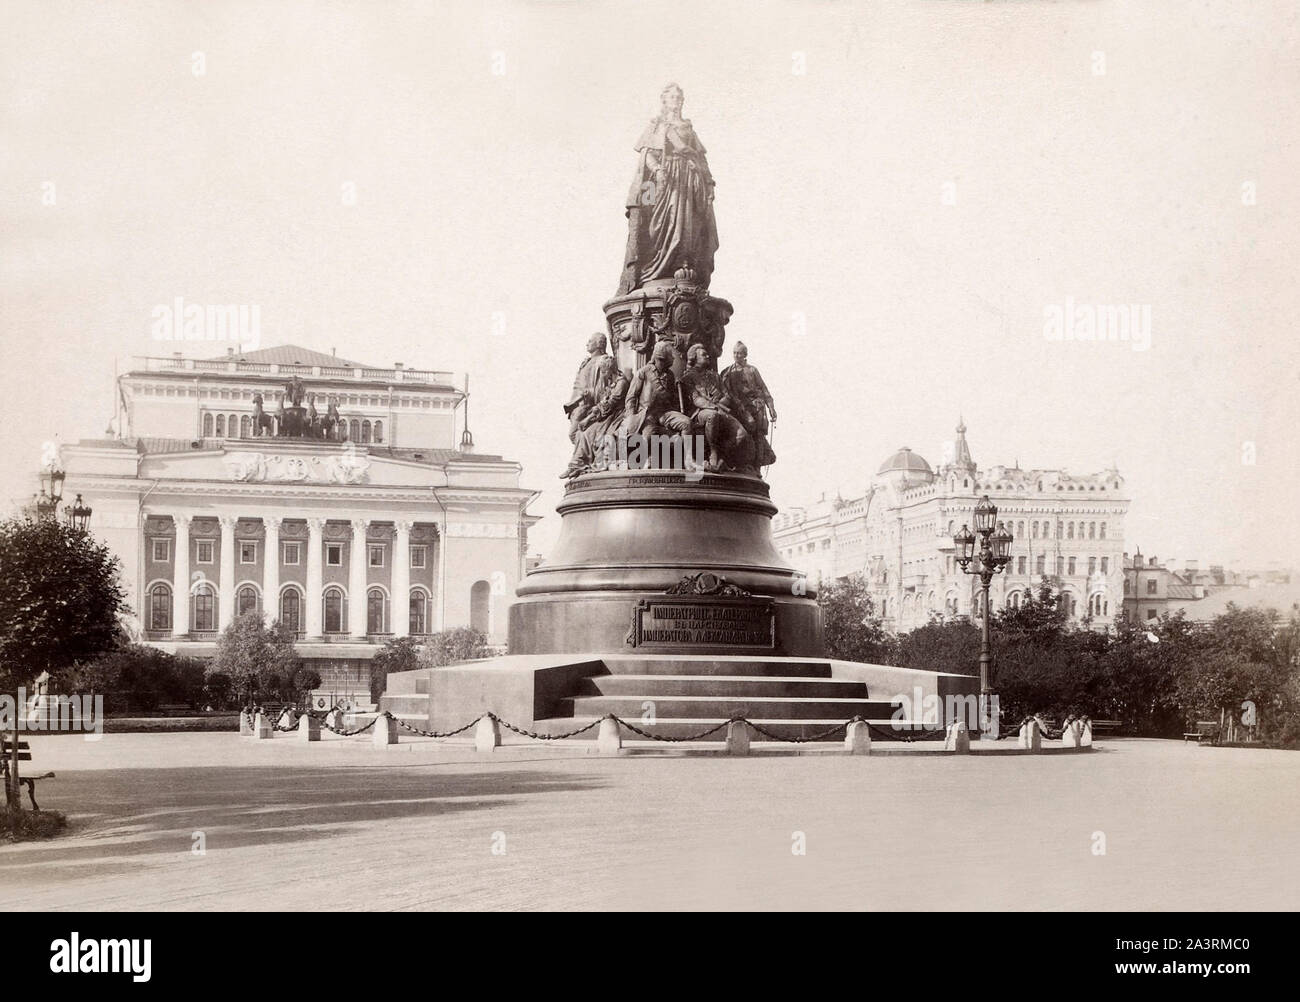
{"type": "Point", "coordinates": [401, 612]}
{"type": "Point", "coordinates": [357, 559]}
{"type": "Point", "coordinates": [226, 575]}
{"type": "Point", "coordinates": [181, 577]}
{"type": "Point", "coordinates": [440, 578]}
{"type": "Point", "coordinates": [312, 599]}
{"type": "Point", "coordinates": [271, 569]}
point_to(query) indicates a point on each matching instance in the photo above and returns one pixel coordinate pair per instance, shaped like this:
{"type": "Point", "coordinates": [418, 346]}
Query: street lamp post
{"type": "Point", "coordinates": [47, 502]}
{"type": "Point", "coordinates": [993, 555]}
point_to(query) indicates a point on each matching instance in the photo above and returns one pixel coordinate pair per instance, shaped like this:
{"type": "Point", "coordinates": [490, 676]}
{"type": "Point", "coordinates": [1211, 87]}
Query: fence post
{"type": "Point", "coordinates": [487, 734]}
{"type": "Point", "coordinates": [245, 723]}
{"type": "Point", "coordinates": [1031, 736]}
{"type": "Point", "coordinates": [957, 739]}
{"type": "Point", "coordinates": [609, 738]}
{"type": "Point", "coordinates": [262, 726]}
{"type": "Point", "coordinates": [737, 738]}
{"type": "Point", "coordinates": [385, 730]}
{"type": "Point", "coordinates": [1085, 732]}
{"type": "Point", "coordinates": [857, 738]}
{"type": "Point", "coordinates": [308, 728]}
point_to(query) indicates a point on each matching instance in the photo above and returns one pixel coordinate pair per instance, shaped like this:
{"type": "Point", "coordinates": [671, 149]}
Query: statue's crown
{"type": "Point", "coordinates": [685, 275]}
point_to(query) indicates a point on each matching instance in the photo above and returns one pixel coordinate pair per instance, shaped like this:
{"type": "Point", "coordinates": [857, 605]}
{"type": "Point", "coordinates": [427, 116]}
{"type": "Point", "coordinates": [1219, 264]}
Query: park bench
{"type": "Point", "coordinates": [1204, 729]}
{"type": "Point", "coordinates": [24, 755]}
{"type": "Point", "coordinates": [1103, 726]}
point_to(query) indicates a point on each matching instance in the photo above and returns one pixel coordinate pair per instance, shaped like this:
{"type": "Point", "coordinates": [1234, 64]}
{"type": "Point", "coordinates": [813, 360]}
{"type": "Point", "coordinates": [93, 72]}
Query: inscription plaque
{"type": "Point", "coordinates": [680, 622]}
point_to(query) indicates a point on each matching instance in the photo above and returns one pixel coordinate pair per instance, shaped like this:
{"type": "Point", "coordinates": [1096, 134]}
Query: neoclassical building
{"type": "Point", "coordinates": [1067, 527]}
{"type": "Point", "coordinates": [221, 495]}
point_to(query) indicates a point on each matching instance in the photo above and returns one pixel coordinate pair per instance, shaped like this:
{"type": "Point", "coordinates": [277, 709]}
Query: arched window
{"type": "Point", "coordinates": [1069, 531]}
{"type": "Point", "coordinates": [207, 425]}
{"type": "Point", "coordinates": [232, 426]}
{"type": "Point", "coordinates": [419, 612]}
{"type": "Point", "coordinates": [205, 608]}
{"type": "Point", "coordinates": [1033, 528]}
{"type": "Point", "coordinates": [221, 426]}
{"type": "Point", "coordinates": [375, 611]}
{"type": "Point", "coordinates": [160, 607]}
{"type": "Point", "coordinates": [245, 429]}
{"type": "Point", "coordinates": [379, 431]}
{"type": "Point", "coordinates": [1092, 530]}
{"type": "Point", "coordinates": [365, 431]}
{"type": "Point", "coordinates": [1020, 530]}
{"type": "Point", "coordinates": [354, 432]}
{"type": "Point", "coordinates": [343, 430]}
{"type": "Point", "coordinates": [333, 610]}
{"type": "Point", "coordinates": [480, 595]}
{"type": "Point", "coordinates": [1103, 530]}
{"type": "Point", "coordinates": [291, 609]}
{"type": "Point", "coordinates": [246, 600]}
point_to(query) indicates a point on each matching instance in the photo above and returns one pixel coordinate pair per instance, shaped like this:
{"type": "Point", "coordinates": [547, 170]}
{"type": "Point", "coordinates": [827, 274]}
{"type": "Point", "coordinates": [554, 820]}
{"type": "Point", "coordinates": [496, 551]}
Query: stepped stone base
{"type": "Point", "coordinates": [674, 696]}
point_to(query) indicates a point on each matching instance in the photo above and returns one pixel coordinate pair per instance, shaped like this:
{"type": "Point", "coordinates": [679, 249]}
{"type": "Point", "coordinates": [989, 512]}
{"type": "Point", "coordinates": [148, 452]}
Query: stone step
{"type": "Point", "coordinates": [688, 727]}
{"type": "Point", "coordinates": [789, 687]}
{"type": "Point", "coordinates": [743, 666]}
{"type": "Point", "coordinates": [725, 707]}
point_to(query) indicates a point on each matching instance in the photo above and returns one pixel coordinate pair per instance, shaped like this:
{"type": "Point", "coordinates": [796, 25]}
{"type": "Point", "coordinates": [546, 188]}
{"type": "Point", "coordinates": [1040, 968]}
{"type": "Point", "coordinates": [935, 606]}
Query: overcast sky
{"type": "Point", "coordinates": [903, 190]}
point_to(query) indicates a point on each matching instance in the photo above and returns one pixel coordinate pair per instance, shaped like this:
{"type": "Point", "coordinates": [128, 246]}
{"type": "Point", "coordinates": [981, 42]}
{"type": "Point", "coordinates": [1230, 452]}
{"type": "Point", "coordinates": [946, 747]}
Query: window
{"type": "Point", "coordinates": [207, 425]}
{"type": "Point", "coordinates": [1069, 531]}
{"type": "Point", "coordinates": [379, 431]}
{"type": "Point", "coordinates": [334, 554]}
{"type": "Point", "coordinates": [365, 431]}
{"type": "Point", "coordinates": [1127, 589]}
{"type": "Point", "coordinates": [418, 613]}
{"type": "Point", "coordinates": [205, 608]}
{"type": "Point", "coordinates": [333, 610]}
{"type": "Point", "coordinates": [1151, 587]}
{"type": "Point", "coordinates": [246, 600]}
{"type": "Point", "coordinates": [1071, 571]}
{"type": "Point", "coordinates": [162, 550]}
{"type": "Point", "coordinates": [291, 610]}
{"type": "Point", "coordinates": [1092, 530]}
{"type": "Point", "coordinates": [245, 430]}
{"type": "Point", "coordinates": [479, 606]}
{"type": "Point", "coordinates": [354, 431]}
{"type": "Point", "coordinates": [1092, 566]}
{"type": "Point", "coordinates": [1040, 567]}
{"type": "Point", "coordinates": [204, 551]}
{"type": "Point", "coordinates": [1105, 565]}
{"type": "Point", "coordinates": [1020, 530]}
{"type": "Point", "coordinates": [221, 426]}
{"type": "Point", "coordinates": [160, 607]}
{"type": "Point", "coordinates": [1151, 614]}
{"type": "Point", "coordinates": [232, 426]}
{"type": "Point", "coordinates": [417, 557]}
{"type": "Point", "coordinates": [1020, 565]}
{"type": "Point", "coordinates": [376, 551]}
{"type": "Point", "coordinates": [292, 553]}
{"type": "Point", "coordinates": [1103, 530]}
{"type": "Point", "coordinates": [247, 552]}
{"type": "Point", "coordinates": [375, 611]}
{"type": "Point", "coordinates": [1034, 529]}
{"type": "Point", "coordinates": [1060, 566]}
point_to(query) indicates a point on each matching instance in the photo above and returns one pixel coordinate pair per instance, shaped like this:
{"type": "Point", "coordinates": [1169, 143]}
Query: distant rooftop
{"type": "Point", "coordinates": [290, 354]}
{"type": "Point", "coordinates": [290, 360]}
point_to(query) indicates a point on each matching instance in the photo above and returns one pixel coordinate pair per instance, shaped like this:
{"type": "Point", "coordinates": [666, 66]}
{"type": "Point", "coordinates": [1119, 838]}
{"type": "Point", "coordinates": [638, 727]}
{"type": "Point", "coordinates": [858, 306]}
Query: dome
{"type": "Point", "coordinates": [907, 461]}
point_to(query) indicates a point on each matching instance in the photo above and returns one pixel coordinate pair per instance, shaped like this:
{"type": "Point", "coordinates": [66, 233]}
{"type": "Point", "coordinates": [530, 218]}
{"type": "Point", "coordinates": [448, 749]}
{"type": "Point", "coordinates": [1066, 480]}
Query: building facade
{"type": "Point", "coordinates": [1067, 528]}
{"type": "Point", "coordinates": [226, 490]}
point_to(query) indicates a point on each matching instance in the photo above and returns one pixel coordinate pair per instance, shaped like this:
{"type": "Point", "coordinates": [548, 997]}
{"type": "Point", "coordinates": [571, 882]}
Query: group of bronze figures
{"type": "Point", "coordinates": [614, 413]}
{"type": "Point", "coordinates": [293, 420]}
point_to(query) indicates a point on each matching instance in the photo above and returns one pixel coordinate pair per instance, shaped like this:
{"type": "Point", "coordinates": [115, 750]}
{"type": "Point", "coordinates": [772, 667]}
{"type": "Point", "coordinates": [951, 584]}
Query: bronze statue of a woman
{"type": "Point", "coordinates": [670, 203]}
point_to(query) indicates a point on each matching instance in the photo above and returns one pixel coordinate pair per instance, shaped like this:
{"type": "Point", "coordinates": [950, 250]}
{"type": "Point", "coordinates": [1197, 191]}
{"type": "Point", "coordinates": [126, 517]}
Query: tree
{"type": "Point", "coordinates": [259, 659]}
{"type": "Point", "coordinates": [399, 654]}
{"type": "Point", "coordinates": [464, 643]}
{"type": "Point", "coordinates": [60, 598]}
{"type": "Point", "coordinates": [851, 630]}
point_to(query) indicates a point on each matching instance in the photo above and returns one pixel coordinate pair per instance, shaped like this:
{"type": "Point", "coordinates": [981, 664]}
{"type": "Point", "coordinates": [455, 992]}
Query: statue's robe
{"type": "Point", "coordinates": [670, 224]}
{"type": "Point", "coordinates": [653, 404]}
{"type": "Point", "coordinates": [745, 385]}
{"type": "Point", "coordinates": [596, 373]}
{"type": "Point", "coordinates": [714, 414]}
{"type": "Point", "coordinates": [596, 446]}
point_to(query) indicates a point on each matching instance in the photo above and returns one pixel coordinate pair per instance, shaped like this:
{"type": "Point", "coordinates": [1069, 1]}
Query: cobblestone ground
{"type": "Point", "coordinates": [344, 825]}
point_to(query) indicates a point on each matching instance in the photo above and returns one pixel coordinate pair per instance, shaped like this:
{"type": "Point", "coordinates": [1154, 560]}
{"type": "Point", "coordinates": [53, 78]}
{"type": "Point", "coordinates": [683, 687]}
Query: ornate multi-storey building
{"type": "Point", "coordinates": [352, 524]}
{"type": "Point", "coordinates": [1067, 528]}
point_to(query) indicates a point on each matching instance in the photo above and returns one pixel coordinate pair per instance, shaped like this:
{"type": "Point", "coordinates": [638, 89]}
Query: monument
{"type": "Point", "coordinates": [664, 587]}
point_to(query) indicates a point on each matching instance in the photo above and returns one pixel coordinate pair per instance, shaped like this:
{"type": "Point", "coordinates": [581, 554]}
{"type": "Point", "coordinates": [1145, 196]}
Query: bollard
{"type": "Point", "coordinates": [857, 738]}
{"type": "Point", "coordinates": [334, 719]}
{"type": "Point", "coordinates": [487, 734]}
{"type": "Point", "coordinates": [385, 730]}
{"type": "Point", "coordinates": [308, 728]}
{"type": "Point", "coordinates": [286, 718]}
{"type": "Point", "coordinates": [609, 738]}
{"type": "Point", "coordinates": [1031, 737]}
{"type": "Point", "coordinates": [737, 738]}
{"type": "Point", "coordinates": [245, 723]}
{"type": "Point", "coordinates": [262, 726]}
{"type": "Point", "coordinates": [957, 739]}
{"type": "Point", "coordinates": [1085, 732]}
{"type": "Point", "coordinates": [1071, 733]}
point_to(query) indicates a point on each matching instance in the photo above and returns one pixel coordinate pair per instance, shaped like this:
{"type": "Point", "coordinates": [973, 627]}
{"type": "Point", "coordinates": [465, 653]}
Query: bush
{"type": "Point", "coordinates": [464, 643]}
{"type": "Point", "coordinates": [33, 824]}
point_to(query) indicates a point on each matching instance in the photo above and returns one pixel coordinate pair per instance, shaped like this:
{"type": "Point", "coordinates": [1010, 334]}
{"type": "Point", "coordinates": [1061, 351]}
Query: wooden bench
{"type": "Point", "coordinates": [1204, 729]}
{"type": "Point", "coordinates": [1102, 726]}
{"type": "Point", "coordinates": [24, 755]}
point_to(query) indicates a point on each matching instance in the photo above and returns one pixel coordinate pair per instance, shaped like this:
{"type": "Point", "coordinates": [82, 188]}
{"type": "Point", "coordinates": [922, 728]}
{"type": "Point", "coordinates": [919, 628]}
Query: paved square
{"type": "Point", "coordinates": [344, 825]}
